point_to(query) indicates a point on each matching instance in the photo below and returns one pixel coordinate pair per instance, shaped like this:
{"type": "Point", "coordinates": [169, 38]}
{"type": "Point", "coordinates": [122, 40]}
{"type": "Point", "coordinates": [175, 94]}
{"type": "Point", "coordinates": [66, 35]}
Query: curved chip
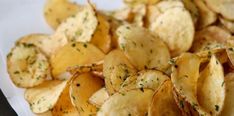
{"type": "Point", "coordinates": [79, 27]}
{"type": "Point", "coordinates": [179, 40]}
{"type": "Point", "coordinates": [227, 24]}
{"type": "Point", "coordinates": [27, 66]}
{"type": "Point", "coordinates": [229, 102]}
{"type": "Point", "coordinates": [210, 38]}
{"type": "Point", "coordinates": [210, 88]}
{"type": "Point", "coordinates": [131, 103]}
{"type": "Point", "coordinates": [64, 106]}
{"type": "Point", "coordinates": [116, 69]}
{"type": "Point", "coordinates": [230, 50]}
{"type": "Point", "coordinates": [185, 74]}
{"type": "Point", "coordinates": [42, 98]}
{"type": "Point", "coordinates": [163, 103]}
{"type": "Point", "coordinates": [101, 37]}
{"type": "Point", "coordinates": [81, 89]}
{"type": "Point", "coordinates": [137, 41]}
{"type": "Point", "coordinates": [99, 97]}
{"type": "Point", "coordinates": [56, 11]}
{"type": "Point", "coordinates": [74, 54]}
{"type": "Point", "coordinates": [207, 16]}
{"type": "Point", "coordinates": [150, 79]}
{"type": "Point", "coordinates": [224, 7]}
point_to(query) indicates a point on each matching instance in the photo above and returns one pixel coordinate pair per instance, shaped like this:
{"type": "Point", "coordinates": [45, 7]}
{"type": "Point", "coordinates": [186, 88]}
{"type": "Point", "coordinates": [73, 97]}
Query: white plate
{"type": "Point", "coordinates": [19, 18]}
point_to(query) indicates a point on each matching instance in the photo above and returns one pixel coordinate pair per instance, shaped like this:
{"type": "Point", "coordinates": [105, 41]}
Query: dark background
{"type": "Point", "coordinates": [5, 108]}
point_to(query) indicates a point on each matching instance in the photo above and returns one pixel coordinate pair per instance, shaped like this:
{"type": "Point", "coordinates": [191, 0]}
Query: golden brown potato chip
{"type": "Point", "coordinates": [229, 102]}
{"type": "Point", "coordinates": [207, 16]}
{"type": "Point", "coordinates": [136, 41]}
{"type": "Point", "coordinates": [74, 54]}
{"type": "Point", "coordinates": [116, 69]}
{"type": "Point", "coordinates": [224, 7]}
{"type": "Point", "coordinates": [163, 103]}
{"type": "Point", "coordinates": [79, 27]}
{"type": "Point", "coordinates": [150, 79]}
{"type": "Point", "coordinates": [210, 88]}
{"type": "Point", "coordinates": [56, 11]}
{"type": "Point", "coordinates": [99, 97]}
{"type": "Point", "coordinates": [210, 38]}
{"type": "Point", "coordinates": [227, 24]}
{"type": "Point", "coordinates": [185, 74]}
{"type": "Point", "coordinates": [63, 106]}
{"type": "Point", "coordinates": [27, 66]}
{"type": "Point", "coordinates": [139, 12]}
{"type": "Point", "coordinates": [179, 40]}
{"type": "Point", "coordinates": [131, 103]}
{"type": "Point", "coordinates": [82, 88]}
{"type": "Point", "coordinates": [219, 53]}
{"type": "Point", "coordinates": [101, 37]}
{"type": "Point", "coordinates": [43, 97]}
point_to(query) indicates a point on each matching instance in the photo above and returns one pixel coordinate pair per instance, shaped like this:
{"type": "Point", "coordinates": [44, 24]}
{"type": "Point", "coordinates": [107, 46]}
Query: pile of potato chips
{"type": "Point", "coordinates": [152, 57]}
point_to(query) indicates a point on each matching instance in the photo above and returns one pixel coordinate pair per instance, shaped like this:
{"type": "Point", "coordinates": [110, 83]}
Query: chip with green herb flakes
{"type": "Point", "coordinates": [116, 69]}
{"type": "Point", "coordinates": [27, 66]}
{"type": "Point", "coordinates": [79, 95]}
{"type": "Point", "coordinates": [134, 102]}
{"type": "Point", "coordinates": [43, 97]}
{"type": "Point", "coordinates": [210, 92]}
{"type": "Point", "coordinates": [142, 48]}
{"type": "Point", "coordinates": [79, 28]}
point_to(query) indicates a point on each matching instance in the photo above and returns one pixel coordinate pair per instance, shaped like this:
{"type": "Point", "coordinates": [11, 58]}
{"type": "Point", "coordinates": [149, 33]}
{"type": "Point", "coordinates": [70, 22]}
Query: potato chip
{"type": "Point", "coordinates": [82, 88]}
{"type": "Point", "coordinates": [219, 53]}
{"type": "Point", "coordinates": [229, 102]}
{"type": "Point", "coordinates": [56, 11]}
{"type": "Point", "coordinates": [131, 103]}
{"type": "Point", "coordinates": [210, 88]}
{"type": "Point", "coordinates": [154, 11]}
{"type": "Point", "coordinates": [139, 12]}
{"type": "Point", "coordinates": [74, 54]}
{"type": "Point", "coordinates": [137, 41]}
{"type": "Point", "coordinates": [179, 40]}
{"type": "Point", "coordinates": [227, 24]}
{"type": "Point", "coordinates": [79, 27]}
{"type": "Point", "coordinates": [210, 38]}
{"type": "Point", "coordinates": [224, 7]}
{"type": "Point", "coordinates": [101, 37]}
{"type": "Point", "coordinates": [116, 69]}
{"type": "Point", "coordinates": [185, 74]}
{"type": "Point", "coordinates": [163, 103]}
{"type": "Point", "coordinates": [207, 17]}
{"type": "Point", "coordinates": [43, 97]}
{"type": "Point", "coordinates": [99, 97]}
{"type": "Point", "coordinates": [150, 79]}
{"type": "Point", "coordinates": [27, 66]}
{"type": "Point", "coordinates": [63, 106]}
{"type": "Point", "coordinates": [123, 14]}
